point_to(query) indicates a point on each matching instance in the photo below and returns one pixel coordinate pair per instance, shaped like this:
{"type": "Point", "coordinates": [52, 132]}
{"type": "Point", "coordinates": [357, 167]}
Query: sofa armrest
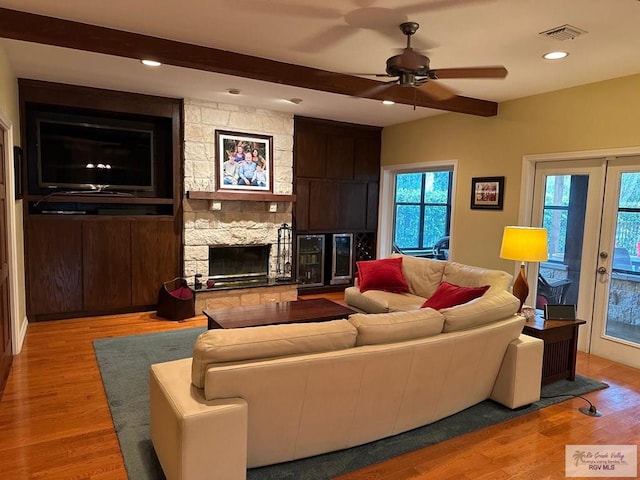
{"type": "Point", "coordinates": [520, 376]}
{"type": "Point", "coordinates": [195, 439]}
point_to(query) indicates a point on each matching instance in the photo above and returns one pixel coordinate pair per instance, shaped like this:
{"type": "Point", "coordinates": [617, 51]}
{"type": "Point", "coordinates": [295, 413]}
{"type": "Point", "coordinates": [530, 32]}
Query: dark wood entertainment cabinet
{"type": "Point", "coordinates": [337, 178]}
{"type": "Point", "coordinates": [93, 254]}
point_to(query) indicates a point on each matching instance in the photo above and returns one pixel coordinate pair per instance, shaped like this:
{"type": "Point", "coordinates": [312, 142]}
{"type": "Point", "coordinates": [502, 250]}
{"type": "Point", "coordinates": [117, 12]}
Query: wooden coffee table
{"type": "Point", "coordinates": [313, 310]}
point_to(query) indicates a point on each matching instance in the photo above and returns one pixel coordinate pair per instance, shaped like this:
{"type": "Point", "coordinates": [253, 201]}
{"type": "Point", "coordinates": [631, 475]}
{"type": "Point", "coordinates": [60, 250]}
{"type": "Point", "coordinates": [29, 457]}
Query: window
{"type": "Point", "coordinates": [422, 209]}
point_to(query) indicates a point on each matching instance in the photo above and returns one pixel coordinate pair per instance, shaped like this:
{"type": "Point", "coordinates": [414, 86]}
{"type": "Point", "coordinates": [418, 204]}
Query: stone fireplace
{"type": "Point", "coordinates": [233, 223]}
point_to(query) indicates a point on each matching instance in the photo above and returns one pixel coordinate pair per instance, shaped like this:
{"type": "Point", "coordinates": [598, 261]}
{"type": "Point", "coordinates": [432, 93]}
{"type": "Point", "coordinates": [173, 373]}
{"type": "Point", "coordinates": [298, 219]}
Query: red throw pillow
{"type": "Point", "coordinates": [384, 274]}
{"type": "Point", "coordinates": [449, 295]}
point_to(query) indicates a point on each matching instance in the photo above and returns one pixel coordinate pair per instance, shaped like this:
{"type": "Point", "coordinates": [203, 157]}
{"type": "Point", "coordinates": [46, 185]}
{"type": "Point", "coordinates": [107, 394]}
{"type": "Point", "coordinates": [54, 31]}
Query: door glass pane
{"type": "Point", "coordinates": [564, 218]}
{"type": "Point", "coordinates": [624, 285]}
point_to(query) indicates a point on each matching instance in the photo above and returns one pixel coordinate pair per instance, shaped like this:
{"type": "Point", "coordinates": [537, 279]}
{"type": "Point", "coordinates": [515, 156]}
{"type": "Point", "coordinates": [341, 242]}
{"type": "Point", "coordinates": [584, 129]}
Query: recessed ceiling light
{"type": "Point", "coordinates": [233, 91]}
{"type": "Point", "coordinates": [554, 55]}
{"type": "Point", "coordinates": [388, 102]}
{"type": "Point", "coordinates": [151, 63]}
{"type": "Point", "coordinates": [297, 101]}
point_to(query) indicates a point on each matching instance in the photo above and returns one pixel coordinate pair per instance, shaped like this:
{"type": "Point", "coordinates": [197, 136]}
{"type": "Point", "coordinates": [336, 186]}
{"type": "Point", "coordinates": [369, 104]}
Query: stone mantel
{"type": "Point", "coordinates": [247, 197]}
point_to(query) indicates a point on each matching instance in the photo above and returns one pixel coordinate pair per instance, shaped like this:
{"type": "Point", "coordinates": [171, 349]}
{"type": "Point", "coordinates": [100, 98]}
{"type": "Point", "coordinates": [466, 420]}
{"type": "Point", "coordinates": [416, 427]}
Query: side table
{"type": "Point", "coordinates": [560, 346]}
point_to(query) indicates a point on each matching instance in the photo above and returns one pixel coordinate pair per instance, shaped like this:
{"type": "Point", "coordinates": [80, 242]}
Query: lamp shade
{"type": "Point", "coordinates": [525, 244]}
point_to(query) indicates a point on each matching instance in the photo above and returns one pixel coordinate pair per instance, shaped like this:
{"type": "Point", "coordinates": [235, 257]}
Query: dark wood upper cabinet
{"type": "Point", "coordinates": [353, 206]}
{"type": "Point", "coordinates": [366, 160]}
{"type": "Point", "coordinates": [311, 149]}
{"type": "Point", "coordinates": [337, 170]}
{"type": "Point", "coordinates": [324, 206]}
{"type": "Point", "coordinates": [301, 211]}
{"type": "Point", "coordinates": [373, 194]}
{"type": "Point", "coordinates": [340, 151]}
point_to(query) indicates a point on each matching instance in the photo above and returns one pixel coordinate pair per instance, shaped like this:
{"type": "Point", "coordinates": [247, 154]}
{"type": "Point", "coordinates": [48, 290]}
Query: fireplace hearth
{"type": "Point", "coordinates": [239, 264]}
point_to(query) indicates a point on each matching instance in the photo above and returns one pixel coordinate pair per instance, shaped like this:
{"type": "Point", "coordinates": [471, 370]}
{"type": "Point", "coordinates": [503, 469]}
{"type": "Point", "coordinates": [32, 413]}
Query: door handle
{"type": "Point", "coordinates": [602, 270]}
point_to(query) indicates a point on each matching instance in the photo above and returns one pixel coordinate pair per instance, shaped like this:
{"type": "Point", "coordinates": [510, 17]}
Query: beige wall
{"type": "Point", "coordinates": [9, 95]}
{"type": "Point", "coordinates": [9, 111]}
{"type": "Point", "coordinates": [596, 116]}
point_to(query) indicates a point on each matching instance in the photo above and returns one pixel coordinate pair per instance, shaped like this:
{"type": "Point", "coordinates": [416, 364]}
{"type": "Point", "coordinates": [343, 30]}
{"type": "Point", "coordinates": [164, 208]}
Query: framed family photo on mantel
{"type": "Point", "coordinates": [487, 193]}
{"type": "Point", "coordinates": [244, 162]}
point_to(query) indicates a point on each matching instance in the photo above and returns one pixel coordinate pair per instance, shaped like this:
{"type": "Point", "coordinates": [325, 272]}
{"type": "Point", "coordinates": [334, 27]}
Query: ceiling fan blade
{"type": "Point", "coordinates": [470, 72]}
{"type": "Point", "coordinates": [420, 7]}
{"type": "Point", "coordinates": [326, 39]}
{"type": "Point", "coordinates": [360, 74]}
{"type": "Point", "coordinates": [284, 8]}
{"type": "Point", "coordinates": [377, 89]}
{"type": "Point", "coordinates": [436, 90]}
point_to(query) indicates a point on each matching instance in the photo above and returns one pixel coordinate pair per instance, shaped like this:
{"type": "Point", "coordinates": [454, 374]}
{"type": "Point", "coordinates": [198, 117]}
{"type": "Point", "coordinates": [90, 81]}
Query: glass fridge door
{"type": "Point", "coordinates": [310, 260]}
{"type": "Point", "coordinates": [342, 259]}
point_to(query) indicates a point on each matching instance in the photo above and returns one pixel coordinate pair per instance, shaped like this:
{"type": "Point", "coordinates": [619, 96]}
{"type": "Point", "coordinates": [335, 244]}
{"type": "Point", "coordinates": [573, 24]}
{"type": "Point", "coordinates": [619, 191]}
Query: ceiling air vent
{"type": "Point", "coordinates": [564, 32]}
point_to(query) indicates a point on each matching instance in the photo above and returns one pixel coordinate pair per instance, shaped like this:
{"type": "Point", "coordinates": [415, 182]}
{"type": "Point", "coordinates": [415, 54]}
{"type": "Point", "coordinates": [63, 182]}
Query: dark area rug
{"type": "Point", "coordinates": [124, 364]}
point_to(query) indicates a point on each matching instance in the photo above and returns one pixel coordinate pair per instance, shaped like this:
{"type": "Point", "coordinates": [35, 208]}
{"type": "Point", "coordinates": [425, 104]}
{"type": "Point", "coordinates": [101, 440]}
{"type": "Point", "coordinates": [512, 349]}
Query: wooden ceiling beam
{"type": "Point", "coordinates": [42, 29]}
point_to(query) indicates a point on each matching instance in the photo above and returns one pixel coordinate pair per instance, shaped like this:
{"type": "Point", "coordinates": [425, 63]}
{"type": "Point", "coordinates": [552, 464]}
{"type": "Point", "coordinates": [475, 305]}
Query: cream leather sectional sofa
{"type": "Point", "coordinates": [423, 277]}
{"type": "Point", "coordinates": [263, 395]}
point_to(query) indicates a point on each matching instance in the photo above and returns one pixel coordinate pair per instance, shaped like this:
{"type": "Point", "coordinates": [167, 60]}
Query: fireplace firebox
{"type": "Point", "coordinates": [239, 263]}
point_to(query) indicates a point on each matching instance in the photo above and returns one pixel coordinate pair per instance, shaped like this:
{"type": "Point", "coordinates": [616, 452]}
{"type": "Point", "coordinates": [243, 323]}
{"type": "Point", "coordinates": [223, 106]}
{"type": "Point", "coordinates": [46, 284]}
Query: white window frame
{"type": "Point", "coordinates": [387, 195]}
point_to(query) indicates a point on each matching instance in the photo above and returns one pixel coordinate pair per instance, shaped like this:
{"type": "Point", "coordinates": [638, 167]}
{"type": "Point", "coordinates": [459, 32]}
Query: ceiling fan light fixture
{"type": "Point", "coordinates": [150, 63]}
{"type": "Point", "coordinates": [407, 80]}
{"type": "Point", "coordinates": [555, 55]}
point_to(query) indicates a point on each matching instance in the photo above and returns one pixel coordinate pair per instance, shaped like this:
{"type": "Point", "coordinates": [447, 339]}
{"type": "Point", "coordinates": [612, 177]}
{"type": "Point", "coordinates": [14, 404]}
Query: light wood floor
{"type": "Point", "coordinates": [55, 421]}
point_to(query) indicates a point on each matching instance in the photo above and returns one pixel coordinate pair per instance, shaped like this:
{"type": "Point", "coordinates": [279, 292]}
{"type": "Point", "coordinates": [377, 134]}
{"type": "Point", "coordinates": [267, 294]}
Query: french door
{"type": "Point", "coordinates": [591, 209]}
{"type": "Point", "coordinates": [616, 326]}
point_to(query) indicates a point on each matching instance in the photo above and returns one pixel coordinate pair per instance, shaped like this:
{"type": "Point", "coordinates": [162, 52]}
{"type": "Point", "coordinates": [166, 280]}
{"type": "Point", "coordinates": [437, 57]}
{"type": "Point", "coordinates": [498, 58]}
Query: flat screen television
{"type": "Point", "coordinates": [92, 155]}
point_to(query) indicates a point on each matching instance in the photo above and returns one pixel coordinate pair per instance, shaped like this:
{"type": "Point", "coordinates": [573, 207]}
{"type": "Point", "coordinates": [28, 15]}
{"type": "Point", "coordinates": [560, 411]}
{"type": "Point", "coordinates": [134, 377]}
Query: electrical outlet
{"type": "Point", "coordinates": [216, 205]}
{"type": "Point", "coordinates": [273, 207]}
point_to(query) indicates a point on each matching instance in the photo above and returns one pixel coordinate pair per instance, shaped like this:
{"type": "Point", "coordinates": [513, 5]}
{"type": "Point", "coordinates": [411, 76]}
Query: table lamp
{"type": "Point", "coordinates": [524, 244]}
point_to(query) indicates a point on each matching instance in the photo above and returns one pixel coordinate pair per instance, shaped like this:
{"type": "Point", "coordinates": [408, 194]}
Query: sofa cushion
{"type": "Point", "coordinates": [384, 274]}
{"type": "Point", "coordinates": [449, 295]}
{"type": "Point", "coordinates": [380, 328]}
{"type": "Point", "coordinates": [486, 309]}
{"type": "Point", "coordinates": [377, 301]}
{"type": "Point", "coordinates": [240, 344]}
{"type": "Point", "coordinates": [470, 276]}
{"type": "Point", "coordinates": [423, 275]}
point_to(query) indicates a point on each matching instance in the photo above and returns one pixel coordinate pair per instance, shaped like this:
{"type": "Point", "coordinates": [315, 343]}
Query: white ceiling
{"type": "Point", "coordinates": [348, 36]}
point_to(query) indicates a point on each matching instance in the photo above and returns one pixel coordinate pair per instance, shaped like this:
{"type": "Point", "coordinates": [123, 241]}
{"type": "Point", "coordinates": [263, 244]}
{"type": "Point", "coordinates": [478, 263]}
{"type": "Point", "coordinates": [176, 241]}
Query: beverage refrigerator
{"type": "Point", "coordinates": [325, 259]}
{"type": "Point", "coordinates": [311, 258]}
{"type": "Point", "coordinates": [341, 258]}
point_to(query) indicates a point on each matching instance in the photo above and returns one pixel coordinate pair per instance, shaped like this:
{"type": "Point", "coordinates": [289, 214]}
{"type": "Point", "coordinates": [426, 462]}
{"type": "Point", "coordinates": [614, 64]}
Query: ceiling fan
{"type": "Point", "coordinates": [412, 69]}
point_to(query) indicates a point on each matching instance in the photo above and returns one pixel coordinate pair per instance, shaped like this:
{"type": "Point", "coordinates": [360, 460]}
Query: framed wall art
{"type": "Point", "coordinates": [244, 162]}
{"type": "Point", "coordinates": [487, 193]}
